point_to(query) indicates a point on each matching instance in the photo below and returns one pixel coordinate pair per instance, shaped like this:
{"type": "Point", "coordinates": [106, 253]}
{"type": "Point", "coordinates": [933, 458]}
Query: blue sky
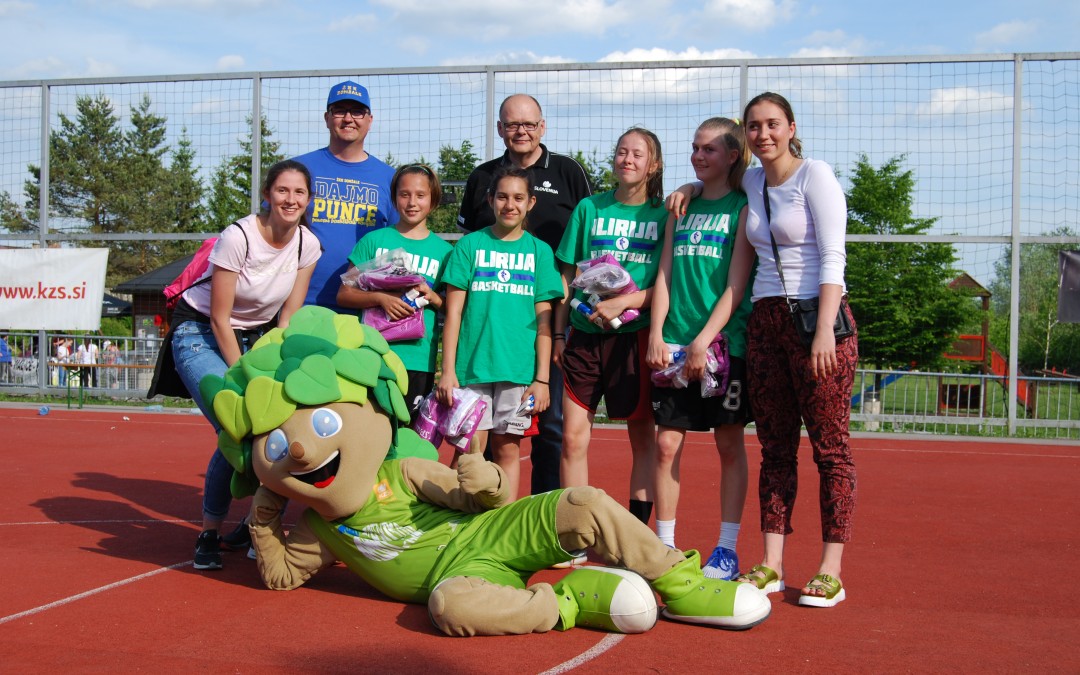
{"type": "Point", "coordinates": [108, 38]}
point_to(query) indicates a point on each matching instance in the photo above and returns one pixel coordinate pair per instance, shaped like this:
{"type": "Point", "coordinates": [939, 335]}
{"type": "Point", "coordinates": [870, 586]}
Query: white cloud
{"type": "Point", "coordinates": [47, 65]}
{"type": "Point", "coordinates": [224, 5]}
{"type": "Point", "coordinates": [1006, 34]}
{"type": "Point", "coordinates": [688, 54]}
{"type": "Point", "coordinates": [414, 44]}
{"type": "Point", "coordinates": [97, 68]}
{"type": "Point", "coordinates": [966, 100]}
{"type": "Point", "coordinates": [748, 14]}
{"type": "Point", "coordinates": [832, 43]}
{"type": "Point", "coordinates": [504, 58]}
{"type": "Point", "coordinates": [13, 7]}
{"type": "Point", "coordinates": [230, 62]}
{"type": "Point", "coordinates": [491, 20]}
{"type": "Point", "coordinates": [354, 22]}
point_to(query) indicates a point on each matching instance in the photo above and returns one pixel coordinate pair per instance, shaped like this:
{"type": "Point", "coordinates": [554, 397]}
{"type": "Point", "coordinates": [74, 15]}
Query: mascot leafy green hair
{"type": "Point", "coordinates": [322, 357]}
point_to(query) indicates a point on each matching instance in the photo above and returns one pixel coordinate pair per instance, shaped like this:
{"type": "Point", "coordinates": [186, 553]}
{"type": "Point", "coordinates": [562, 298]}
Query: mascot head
{"type": "Point", "coordinates": [312, 411]}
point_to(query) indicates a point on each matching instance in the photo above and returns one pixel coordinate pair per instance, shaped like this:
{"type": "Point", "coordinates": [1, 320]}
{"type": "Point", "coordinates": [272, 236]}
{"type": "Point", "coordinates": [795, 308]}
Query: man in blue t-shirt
{"type": "Point", "coordinates": [350, 190]}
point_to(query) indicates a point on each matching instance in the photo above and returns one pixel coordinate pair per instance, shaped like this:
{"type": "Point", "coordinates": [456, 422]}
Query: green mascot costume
{"type": "Point", "coordinates": [314, 413]}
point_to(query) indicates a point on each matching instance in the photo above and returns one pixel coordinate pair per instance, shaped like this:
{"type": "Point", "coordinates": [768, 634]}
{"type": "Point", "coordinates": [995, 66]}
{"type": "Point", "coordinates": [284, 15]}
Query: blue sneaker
{"type": "Point", "coordinates": [722, 564]}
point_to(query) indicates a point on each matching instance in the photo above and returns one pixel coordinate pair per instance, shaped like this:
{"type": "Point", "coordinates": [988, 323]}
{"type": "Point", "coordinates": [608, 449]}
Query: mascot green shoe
{"type": "Point", "coordinates": [691, 597]}
{"type": "Point", "coordinates": [607, 598]}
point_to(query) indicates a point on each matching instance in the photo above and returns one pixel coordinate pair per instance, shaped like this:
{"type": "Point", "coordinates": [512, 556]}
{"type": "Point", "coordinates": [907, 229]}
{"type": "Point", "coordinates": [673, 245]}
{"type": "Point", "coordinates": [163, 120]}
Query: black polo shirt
{"type": "Point", "coordinates": [559, 184]}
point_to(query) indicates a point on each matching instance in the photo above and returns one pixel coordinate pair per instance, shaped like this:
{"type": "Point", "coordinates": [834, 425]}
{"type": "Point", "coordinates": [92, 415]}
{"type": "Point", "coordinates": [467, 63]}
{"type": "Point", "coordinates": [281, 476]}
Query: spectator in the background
{"type": "Point", "coordinates": [5, 360]}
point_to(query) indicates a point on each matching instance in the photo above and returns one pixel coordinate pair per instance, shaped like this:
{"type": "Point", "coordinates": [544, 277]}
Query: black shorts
{"type": "Point", "coordinates": [609, 366]}
{"type": "Point", "coordinates": [686, 409]}
{"type": "Point", "coordinates": [420, 385]}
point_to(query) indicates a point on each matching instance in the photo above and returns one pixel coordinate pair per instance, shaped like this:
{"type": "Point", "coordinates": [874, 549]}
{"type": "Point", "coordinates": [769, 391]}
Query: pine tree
{"type": "Point", "coordinates": [230, 188]}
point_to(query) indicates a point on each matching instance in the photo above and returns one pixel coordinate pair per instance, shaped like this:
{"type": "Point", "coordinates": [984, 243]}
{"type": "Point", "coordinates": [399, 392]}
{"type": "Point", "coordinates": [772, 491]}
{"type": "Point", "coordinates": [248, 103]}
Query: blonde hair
{"type": "Point", "coordinates": [734, 137]}
{"type": "Point", "coordinates": [654, 184]}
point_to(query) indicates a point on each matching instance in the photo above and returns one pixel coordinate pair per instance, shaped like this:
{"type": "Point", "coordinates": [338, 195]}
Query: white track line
{"type": "Point", "coordinates": [100, 589]}
{"type": "Point", "coordinates": [604, 645]}
{"type": "Point", "coordinates": [149, 521]}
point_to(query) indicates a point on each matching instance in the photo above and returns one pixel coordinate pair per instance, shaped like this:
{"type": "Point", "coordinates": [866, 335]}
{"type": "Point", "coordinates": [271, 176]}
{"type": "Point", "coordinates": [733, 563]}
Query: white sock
{"type": "Point", "coordinates": [729, 535]}
{"type": "Point", "coordinates": [665, 529]}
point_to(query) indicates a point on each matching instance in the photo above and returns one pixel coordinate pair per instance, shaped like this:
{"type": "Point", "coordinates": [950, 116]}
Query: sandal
{"type": "Point", "coordinates": [764, 578]}
{"type": "Point", "coordinates": [831, 587]}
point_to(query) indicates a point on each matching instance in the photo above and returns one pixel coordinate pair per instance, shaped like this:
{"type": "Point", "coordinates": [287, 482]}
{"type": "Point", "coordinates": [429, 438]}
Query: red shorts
{"type": "Point", "coordinates": [610, 366]}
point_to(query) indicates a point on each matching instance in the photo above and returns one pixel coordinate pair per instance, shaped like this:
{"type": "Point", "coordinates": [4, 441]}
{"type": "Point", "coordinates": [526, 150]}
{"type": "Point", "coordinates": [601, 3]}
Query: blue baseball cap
{"type": "Point", "coordinates": [348, 91]}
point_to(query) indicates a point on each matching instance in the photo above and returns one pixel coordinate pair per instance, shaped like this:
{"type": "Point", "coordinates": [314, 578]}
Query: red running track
{"type": "Point", "coordinates": [964, 560]}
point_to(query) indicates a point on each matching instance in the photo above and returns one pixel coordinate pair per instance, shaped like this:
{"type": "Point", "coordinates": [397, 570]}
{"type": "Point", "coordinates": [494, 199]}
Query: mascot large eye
{"type": "Point", "coordinates": [325, 422]}
{"type": "Point", "coordinates": [277, 446]}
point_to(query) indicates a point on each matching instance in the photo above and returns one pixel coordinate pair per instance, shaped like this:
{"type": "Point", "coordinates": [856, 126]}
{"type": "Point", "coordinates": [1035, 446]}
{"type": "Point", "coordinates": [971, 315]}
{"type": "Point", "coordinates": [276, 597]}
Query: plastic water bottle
{"type": "Point", "coordinates": [154, 408]}
{"type": "Point", "coordinates": [414, 299]}
{"type": "Point", "coordinates": [43, 410]}
{"type": "Point", "coordinates": [588, 311]}
{"type": "Point", "coordinates": [526, 406]}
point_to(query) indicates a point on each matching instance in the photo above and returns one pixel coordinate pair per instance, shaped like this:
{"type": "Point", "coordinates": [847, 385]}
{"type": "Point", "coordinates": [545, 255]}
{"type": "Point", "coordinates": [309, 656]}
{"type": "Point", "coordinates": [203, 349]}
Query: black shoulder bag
{"type": "Point", "coordinates": [805, 312]}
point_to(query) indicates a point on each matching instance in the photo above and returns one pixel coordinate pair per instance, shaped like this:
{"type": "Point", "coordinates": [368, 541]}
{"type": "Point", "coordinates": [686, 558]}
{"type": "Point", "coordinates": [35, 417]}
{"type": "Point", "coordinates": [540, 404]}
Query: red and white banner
{"type": "Point", "coordinates": [52, 288]}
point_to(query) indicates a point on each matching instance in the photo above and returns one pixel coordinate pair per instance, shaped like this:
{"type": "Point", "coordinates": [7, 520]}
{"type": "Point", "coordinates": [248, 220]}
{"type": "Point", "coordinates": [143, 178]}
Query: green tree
{"type": "Point", "coordinates": [12, 218]}
{"type": "Point", "coordinates": [1043, 342]}
{"type": "Point", "coordinates": [145, 203]}
{"type": "Point", "coordinates": [899, 292]}
{"type": "Point", "coordinates": [86, 171]}
{"type": "Point", "coordinates": [186, 206]}
{"type": "Point", "coordinates": [455, 165]}
{"type": "Point", "coordinates": [601, 177]}
{"type": "Point", "coordinates": [230, 187]}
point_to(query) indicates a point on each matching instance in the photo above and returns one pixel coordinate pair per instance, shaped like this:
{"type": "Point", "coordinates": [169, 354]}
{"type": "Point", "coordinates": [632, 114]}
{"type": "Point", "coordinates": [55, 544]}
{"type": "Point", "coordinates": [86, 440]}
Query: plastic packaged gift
{"type": "Point", "coordinates": [456, 424]}
{"type": "Point", "coordinates": [388, 272]}
{"type": "Point", "coordinates": [602, 278]}
{"type": "Point", "coordinates": [717, 369]}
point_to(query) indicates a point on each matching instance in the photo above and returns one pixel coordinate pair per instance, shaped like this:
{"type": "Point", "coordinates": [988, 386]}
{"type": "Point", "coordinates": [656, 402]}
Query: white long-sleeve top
{"type": "Point", "coordinates": [809, 222]}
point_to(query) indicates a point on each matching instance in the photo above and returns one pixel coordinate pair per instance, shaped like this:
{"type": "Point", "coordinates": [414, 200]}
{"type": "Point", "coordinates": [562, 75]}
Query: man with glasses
{"type": "Point", "coordinates": [350, 193]}
{"type": "Point", "coordinates": [560, 183]}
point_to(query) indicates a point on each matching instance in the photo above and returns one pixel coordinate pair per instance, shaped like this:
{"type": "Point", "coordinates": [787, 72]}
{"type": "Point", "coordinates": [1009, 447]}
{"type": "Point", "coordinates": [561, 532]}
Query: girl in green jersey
{"type": "Point", "coordinates": [417, 192]}
{"type": "Point", "coordinates": [692, 303]}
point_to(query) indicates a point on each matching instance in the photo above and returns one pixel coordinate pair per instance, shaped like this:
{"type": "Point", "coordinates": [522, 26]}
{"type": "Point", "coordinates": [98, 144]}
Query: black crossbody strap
{"type": "Point", "coordinates": [775, 249]}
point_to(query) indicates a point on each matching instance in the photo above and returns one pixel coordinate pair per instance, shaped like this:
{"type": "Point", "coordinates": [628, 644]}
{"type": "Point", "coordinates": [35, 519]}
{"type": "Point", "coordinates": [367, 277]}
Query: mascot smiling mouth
{"type": "Point", "coordinates": [323, 475]}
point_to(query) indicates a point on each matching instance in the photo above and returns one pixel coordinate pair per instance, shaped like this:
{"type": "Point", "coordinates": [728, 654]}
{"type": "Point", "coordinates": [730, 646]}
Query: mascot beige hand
{"type": "Point", "coordinates": [266, 508]}
{"type": "Point", "coordinates": [480, 477]}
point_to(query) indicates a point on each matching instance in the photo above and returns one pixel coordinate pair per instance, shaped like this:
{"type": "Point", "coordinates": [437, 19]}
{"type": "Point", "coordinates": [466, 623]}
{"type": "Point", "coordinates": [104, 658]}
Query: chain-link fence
{"type": "Point", "coordinates": [993, 141]}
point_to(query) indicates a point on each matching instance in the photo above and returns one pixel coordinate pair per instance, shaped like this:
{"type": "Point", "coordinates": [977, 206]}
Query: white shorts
{"type": "Point", "coordinates": [503, 400]}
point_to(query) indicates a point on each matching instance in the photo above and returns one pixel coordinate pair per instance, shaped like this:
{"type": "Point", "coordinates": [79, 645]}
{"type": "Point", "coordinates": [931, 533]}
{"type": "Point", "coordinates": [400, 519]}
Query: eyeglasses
{"type": "Point", "coordinates": [356, 113]}
{"type": "Point", "coordinates": [513, 127]}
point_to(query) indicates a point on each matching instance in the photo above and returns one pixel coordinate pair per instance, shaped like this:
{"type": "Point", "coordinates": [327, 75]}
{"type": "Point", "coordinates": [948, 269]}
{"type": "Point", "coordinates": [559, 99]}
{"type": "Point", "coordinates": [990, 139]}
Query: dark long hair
{"type": "Point", "coordinates": [275, 172]}
{"type": "Point", "coordinates": [420, 170]}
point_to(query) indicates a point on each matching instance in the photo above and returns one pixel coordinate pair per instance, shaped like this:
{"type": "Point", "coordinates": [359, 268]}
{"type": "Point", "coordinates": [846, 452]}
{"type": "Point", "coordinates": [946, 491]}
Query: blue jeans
{"type": "Point", "coordinates": [196, 353]}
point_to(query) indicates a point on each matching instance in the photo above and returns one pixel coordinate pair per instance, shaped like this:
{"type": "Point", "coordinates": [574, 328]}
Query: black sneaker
{"type": "Point", "coordinates": [208, 551]}
{"type": "Point", "coordinates": [239, 539]}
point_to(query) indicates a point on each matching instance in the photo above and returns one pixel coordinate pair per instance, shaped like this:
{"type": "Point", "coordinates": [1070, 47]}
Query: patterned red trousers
{"type": "Point", "coordinates": [783, 396]}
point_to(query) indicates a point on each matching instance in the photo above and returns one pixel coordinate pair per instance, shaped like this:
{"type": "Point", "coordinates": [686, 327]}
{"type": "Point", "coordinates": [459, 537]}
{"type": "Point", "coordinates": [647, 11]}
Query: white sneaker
{"type": "Point", "coordinates": [579, 558]}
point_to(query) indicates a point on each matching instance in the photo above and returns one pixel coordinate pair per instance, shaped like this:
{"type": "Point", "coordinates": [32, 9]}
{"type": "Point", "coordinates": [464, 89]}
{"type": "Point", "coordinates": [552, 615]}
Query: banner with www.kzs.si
{"type": "Point", "coordinates": [52, 288]}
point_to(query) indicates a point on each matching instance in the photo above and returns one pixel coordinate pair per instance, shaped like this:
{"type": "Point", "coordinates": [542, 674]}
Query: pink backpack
{"type": "Point", "coordinates": [191, 274]}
